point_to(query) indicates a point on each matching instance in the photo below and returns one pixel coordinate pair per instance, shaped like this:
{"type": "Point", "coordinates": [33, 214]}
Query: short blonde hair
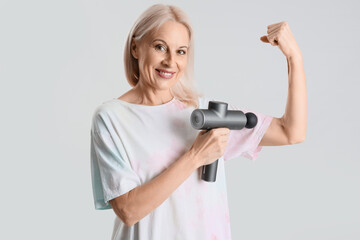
{"type": "Point", "coordinates": [152, 19]}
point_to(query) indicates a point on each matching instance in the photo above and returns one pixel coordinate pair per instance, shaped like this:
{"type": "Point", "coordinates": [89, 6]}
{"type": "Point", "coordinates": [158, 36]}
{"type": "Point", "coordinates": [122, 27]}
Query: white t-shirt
{"type": "Point", "coordinates": [131, 144]}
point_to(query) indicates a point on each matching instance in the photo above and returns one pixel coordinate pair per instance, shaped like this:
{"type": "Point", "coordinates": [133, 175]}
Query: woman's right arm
{"type": "Point", "coordinates": [140, 201]}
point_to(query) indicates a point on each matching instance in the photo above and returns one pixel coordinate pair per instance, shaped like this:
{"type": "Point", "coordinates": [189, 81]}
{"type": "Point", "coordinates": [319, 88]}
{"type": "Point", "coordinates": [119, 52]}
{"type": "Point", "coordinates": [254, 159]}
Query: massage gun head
{"type": "Point", "coordinates": [251, 120]}
{"type": "Point", "coordinates": [218, 116]}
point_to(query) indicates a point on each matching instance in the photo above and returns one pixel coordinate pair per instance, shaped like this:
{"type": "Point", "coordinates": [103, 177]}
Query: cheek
{"type": "Point", "coordinates": [183, 64]}
{"type": "Point", "coordinates": [151, 59]}
{"type": "Point", "coordinates": [155, 58]}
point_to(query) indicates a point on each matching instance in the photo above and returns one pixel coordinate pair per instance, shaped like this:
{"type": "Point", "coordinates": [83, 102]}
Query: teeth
{"type": "Point", "coordinates": [166, 74]}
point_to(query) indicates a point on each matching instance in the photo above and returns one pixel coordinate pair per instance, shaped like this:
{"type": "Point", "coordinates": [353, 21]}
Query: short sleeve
{"type": "Point", "coordinates": [245, 142]}
{"type": "Point", "coordinates": [111, 171]}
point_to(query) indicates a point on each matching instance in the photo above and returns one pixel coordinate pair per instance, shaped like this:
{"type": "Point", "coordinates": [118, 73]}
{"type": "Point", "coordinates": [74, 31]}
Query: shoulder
{"type": "Point", "coordinates": [129, 97]}
{"type": "Point", "coordinates": [103, 108]}
{"type": "Point", "coordinates": [102, 115]}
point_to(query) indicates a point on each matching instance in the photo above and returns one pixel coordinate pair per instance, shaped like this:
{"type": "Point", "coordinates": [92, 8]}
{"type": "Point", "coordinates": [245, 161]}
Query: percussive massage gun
{"type": "Point", "coordinates": [218, 116]}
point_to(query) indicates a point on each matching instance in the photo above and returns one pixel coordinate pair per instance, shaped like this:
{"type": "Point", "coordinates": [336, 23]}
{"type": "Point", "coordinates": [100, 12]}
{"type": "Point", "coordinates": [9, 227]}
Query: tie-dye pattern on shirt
{"type": "Point", "coordinates": [131, 144]}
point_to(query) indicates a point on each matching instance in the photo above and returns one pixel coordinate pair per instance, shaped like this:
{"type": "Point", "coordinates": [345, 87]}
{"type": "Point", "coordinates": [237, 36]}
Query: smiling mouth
{"type": "Point", "coordinates": [166, 75]}
{"type": "Point", "coordinates": [164, 71]}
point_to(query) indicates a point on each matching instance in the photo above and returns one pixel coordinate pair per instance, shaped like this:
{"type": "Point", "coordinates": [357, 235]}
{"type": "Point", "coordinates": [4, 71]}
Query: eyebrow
{"type": "Point", "coordinates": [166, 43]}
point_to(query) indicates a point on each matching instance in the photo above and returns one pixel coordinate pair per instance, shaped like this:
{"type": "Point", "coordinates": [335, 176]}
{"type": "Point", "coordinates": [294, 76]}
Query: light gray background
{"type": "Point", "coordinates": [61, 59]}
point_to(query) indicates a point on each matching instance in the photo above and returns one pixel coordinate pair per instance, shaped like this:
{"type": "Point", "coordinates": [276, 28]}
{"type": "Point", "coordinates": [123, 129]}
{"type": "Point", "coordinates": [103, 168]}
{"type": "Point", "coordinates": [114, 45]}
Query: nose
{"type": "Point", "coordinates": [168, 59]}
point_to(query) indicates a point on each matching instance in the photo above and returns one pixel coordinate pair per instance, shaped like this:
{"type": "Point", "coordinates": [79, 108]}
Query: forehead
{"type": "Point", "coordinates": [173, 33]}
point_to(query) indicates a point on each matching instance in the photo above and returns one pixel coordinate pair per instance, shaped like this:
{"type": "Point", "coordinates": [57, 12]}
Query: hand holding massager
{"type": "Point", "coordinates": [217, 116]}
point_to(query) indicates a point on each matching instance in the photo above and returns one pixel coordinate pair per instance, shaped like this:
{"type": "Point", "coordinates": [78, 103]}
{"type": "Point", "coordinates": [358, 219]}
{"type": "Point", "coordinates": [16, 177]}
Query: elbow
{"type": "Point", "coordinates": [130, 221]}
{"type": "Point", "coordinates": [128, 216]}
{"type": "Point", "coordinates": [295, 134]}
{"type": "Point", "coordinates": [296, 140]}
{"type": "Point", "coordinates": [125, 217]}
{"type": "Point", "coordinates": [295, 137]}
{"type": "Point", "coordinates": [122, 212]}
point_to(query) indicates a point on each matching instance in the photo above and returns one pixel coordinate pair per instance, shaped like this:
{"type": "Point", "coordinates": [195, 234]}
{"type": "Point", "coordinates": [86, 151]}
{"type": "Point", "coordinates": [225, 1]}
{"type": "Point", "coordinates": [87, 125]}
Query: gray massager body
{"type": "Point", "coordinates": [218, 116]}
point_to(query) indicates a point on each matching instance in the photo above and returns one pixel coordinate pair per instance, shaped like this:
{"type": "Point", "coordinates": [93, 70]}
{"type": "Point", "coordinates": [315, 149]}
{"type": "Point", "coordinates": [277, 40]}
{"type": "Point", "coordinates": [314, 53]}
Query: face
{"type": "Point", "coordinates": [162, 55]}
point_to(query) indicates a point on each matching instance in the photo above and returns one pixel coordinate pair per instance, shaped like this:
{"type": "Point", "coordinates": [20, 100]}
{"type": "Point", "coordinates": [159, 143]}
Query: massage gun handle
{"type": "Point", "coordinates": [209, 171]}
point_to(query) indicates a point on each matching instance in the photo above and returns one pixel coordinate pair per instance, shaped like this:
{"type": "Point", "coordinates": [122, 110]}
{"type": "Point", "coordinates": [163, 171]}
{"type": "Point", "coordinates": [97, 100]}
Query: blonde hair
{"type": "Point", "coordinates": [152, 19]}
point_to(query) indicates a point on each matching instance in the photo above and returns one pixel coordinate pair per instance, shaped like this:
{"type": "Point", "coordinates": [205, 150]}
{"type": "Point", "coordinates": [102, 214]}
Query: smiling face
{"type": "Point", "coordinates": [162, 56]}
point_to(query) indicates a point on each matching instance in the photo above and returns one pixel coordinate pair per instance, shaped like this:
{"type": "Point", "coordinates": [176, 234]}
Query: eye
{"type": "Point", "coordinates": [160, 47]}
{"type": "Point", "coordinates": [182, 52]}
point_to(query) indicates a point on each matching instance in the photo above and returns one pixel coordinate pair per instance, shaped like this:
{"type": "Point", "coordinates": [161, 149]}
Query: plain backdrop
{"type": "Point", "coordinates": [60, 59]}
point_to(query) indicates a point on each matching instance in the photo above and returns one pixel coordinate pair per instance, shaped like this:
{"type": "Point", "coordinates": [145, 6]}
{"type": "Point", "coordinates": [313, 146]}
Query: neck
{"type": "Point", "coordinates": [146, 95]}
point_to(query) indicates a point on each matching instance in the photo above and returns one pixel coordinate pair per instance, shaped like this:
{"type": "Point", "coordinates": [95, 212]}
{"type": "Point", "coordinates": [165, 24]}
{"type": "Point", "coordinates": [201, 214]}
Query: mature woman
{"type": "Point", "coordinates": [145, 156]}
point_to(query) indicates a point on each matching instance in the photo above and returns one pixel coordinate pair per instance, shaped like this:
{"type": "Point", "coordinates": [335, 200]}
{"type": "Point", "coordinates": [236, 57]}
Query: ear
{"type": "Point", "coordinates": [134, 48]}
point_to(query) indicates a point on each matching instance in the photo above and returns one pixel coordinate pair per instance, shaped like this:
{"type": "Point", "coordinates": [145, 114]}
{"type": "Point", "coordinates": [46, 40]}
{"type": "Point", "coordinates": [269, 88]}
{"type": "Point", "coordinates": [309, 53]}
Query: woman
{"type": "Point", "coordinates": [145, 156]}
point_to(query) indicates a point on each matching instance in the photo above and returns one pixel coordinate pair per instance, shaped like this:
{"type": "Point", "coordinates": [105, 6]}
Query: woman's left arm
{"type": "Point", "coordinates": [291, 127]}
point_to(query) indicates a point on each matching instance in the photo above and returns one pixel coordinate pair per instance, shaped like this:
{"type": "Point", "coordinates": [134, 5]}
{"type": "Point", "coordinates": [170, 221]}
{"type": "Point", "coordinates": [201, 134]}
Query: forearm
{"type": "Point", "coordinates": [145, 198]}
{"type": "Point", "coordinates": [295, 116]}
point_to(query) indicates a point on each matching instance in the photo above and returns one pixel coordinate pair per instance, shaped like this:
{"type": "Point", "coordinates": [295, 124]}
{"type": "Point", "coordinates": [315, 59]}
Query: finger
{"type": "Point", "coordinates": [225, 138]}
{"type": "Point", "coordinates": [224, 131]}
{"type": "Point", "coordinates": [219, 131]}
{"type": "Point", "coordinates": [202, 132]}
{"type": "Point", "coordinates": [273, 29]}
{"type": "Point", "coordinates": [273, 39]}
{"type": "Point", "coordinates": [264, 39]}
{"type": "Point", "coordinates": [273, 25]}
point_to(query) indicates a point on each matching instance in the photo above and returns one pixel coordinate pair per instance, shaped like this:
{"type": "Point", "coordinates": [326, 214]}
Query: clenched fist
{"type": "Point", "coordinates": [210, 145]}
{"type": "Point", "coordinates": [279, 34]}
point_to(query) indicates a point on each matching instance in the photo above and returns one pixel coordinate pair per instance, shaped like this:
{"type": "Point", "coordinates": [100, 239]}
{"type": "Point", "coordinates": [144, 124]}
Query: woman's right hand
{"type": "Point", "coordinates": [210, 145]}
